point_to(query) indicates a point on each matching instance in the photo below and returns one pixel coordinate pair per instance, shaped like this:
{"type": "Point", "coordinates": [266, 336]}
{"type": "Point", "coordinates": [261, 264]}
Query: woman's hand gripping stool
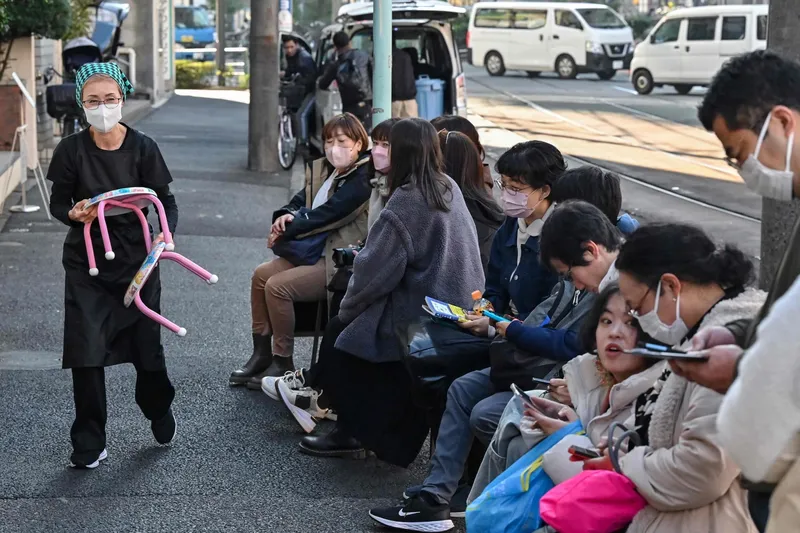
{"type": "Point", "coordinates": [118, 202]}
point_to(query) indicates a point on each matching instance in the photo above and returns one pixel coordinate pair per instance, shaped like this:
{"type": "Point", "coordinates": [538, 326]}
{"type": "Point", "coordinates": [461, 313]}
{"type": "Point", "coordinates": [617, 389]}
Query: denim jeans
{"type": "Point", "coordinates": [473, 409]}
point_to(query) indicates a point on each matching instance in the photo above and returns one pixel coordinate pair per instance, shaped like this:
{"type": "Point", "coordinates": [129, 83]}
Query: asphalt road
{"type": "Point", "coordinates": [676, 168]}
{"type": "Point", "coordinates": [234, 466]}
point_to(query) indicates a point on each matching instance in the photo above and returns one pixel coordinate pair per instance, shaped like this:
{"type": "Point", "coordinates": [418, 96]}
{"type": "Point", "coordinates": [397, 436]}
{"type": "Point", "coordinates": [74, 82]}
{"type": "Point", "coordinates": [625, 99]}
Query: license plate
{"type": "Point", "coordinates": [198, 56]}
{"type": "Point", "coordinates": [187, 39]}
{"type": "Point", "coordinates": [617, 65]}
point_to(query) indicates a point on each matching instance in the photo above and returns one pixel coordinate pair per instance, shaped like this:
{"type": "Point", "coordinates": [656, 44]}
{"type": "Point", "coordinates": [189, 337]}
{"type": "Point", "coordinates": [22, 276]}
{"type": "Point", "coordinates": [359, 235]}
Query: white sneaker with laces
{"type": "Point", "coordinates": [295, 380]}
{"type": "Point", "coordinates": [303, 404]}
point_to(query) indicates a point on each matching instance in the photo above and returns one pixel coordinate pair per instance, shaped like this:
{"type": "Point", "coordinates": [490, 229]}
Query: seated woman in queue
{"type": "Point", "coordinates": [335, 199]}
{"type": "Point", "coordinates": [424, 243]}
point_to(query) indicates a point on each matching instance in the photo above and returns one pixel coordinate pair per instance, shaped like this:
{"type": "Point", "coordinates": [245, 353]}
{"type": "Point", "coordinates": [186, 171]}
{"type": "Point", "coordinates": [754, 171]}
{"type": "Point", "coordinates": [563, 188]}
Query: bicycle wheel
{"type": "Point", "coordinates": [287, 142]}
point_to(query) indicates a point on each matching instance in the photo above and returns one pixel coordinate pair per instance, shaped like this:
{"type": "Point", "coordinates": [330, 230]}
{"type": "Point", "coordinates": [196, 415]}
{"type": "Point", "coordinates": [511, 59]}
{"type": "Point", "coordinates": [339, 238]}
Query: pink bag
{"type": "Point", "coordinates": [594, 501]}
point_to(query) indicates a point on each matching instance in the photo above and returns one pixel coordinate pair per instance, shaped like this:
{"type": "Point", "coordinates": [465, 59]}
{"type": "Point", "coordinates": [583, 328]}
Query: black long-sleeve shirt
{"type": "Point", "coordinates": [80, 170]}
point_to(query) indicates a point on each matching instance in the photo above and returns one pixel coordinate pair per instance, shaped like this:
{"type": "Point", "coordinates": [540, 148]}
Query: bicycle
{"type": "Point", "coordinates": [287, 140]}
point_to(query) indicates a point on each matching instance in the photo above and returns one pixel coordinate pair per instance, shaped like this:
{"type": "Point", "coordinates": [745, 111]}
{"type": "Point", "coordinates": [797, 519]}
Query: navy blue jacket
{"type": "Point", "coordinates": [532, 281]}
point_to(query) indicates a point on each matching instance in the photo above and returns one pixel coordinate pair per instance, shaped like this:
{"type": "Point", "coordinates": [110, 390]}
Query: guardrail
{"type": "Point", "coordinates": [236, 57]}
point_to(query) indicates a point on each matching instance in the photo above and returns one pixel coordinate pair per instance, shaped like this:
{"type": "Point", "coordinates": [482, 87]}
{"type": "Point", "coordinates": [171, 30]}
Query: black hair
{"type": "Point", "coordinates": [417, 161]}
{"type": "Point", "coordinates": [568, 230]}
{"type": "Point", "coordinates": [534, 163]}
{"type": "Point", "coordinates": [462, 162]}
{"type": "Point", "coordinates": [685, 251]}
{"type": "Point", "coordinates": [341, 39]}
{"type": "Point", "coordinates": [462, 125]}
{"type": "Point", "coordinates": [381, 131]}
{"type": "Point", "coordinates": [747, 87]}
{"type": "Point", "coordinates": [591, 184]}
{"type": "Point", "coordinates": [286, 38]}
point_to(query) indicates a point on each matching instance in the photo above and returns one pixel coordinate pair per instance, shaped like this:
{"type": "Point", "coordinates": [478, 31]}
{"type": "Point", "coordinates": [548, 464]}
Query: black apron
{"type": "Point", "coordinates": [99, 330]}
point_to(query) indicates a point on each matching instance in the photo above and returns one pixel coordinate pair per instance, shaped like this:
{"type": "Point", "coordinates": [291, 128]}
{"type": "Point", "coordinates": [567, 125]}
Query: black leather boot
{"type": "Point", "coordinates": [258, 362]}
{"type": "Point", "coordinates": [278, 368]}
{"type": "Point", "coordinates": [337, 443]}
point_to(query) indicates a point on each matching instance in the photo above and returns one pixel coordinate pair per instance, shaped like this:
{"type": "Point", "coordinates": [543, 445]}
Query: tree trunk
{"type": "Point", "coordinates": [264, 85]}
{"type": "Point", "coordinates": [778, 218]}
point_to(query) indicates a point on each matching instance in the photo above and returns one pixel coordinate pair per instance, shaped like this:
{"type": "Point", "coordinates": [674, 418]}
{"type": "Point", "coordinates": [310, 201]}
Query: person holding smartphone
{"type": "Point", "coordinates": [601, 389]}
{"type": "Point", "coordinates": [676, 280]}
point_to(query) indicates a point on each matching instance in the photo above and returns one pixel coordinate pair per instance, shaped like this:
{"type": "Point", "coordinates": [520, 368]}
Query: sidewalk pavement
{"type": "Point", "coordinates": [234, 465]}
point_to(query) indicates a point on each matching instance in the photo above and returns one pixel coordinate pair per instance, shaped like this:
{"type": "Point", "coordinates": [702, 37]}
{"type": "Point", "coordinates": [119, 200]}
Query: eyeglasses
{"type": "Point", "coordinates": [634, 311]}
{"type": "Point", "coordinates": [502, 186]}
{"type": "Point", "coordinates": [733, 163]}
{"type": "Point", "coordinates": [110, 103]}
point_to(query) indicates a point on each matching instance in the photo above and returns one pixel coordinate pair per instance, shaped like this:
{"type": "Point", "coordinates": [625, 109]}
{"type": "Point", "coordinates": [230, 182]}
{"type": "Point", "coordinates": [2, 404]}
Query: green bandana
{"type": "Point", "coordinates": [111, 70]}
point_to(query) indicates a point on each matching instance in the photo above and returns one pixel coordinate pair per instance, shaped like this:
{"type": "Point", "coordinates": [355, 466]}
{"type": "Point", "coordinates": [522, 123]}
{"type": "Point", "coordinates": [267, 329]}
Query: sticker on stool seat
{"type": "Point", "coordinates": [121, 194]}
{"type": "Point", "coordinates": [144, 272]}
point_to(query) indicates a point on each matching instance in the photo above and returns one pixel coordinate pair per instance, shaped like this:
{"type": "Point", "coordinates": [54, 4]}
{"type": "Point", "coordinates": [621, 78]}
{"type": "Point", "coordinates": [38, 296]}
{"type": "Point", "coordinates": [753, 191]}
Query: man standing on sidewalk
{"type": "Point", "coordinates": [404, 86]}
{"type": "Point", "coordinates": [352, 71]}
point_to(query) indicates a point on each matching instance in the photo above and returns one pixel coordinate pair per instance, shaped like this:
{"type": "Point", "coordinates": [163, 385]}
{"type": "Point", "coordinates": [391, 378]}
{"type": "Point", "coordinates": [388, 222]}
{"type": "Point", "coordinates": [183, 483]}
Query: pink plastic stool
{"type": "Point", "coordinates": [117, 202]}
{"type": "Point", "coordinates": [158, 253]}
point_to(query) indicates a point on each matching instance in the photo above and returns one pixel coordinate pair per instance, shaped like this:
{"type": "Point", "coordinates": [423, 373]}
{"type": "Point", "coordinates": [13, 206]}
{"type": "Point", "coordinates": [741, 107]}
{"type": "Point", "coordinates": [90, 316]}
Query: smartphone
{"type": "Point", "coordinates": [541, 381]}
{"type": "Point", "coordinates": [522, 396]}
{"type": "Point", "coordinates": [586, 453]}
{"type": "Point", "coordinates": [495, 317]}
{"type": "Point", "coordinates": [671, 354]}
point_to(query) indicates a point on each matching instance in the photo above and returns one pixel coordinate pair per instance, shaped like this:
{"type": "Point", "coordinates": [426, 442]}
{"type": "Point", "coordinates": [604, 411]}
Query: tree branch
{"type": "Point", "coordinates": [6, 55]}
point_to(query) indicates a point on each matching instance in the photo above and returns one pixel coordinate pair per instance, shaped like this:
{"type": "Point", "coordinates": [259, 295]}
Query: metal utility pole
{"type": "Point", "coordinates": [221, 43]}
{"type": "Point", "coordinates": [262, 145]}
{"type": "Point", "coordinates": [382, 75]}
{"type": "Point", "coordinates": [778, 218]}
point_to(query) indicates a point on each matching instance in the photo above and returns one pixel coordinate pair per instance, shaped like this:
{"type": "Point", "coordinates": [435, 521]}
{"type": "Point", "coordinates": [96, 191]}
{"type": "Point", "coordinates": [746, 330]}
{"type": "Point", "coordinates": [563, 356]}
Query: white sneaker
{"type": "Point", "coordinates": [295, 380]}
{"type": "Point", "coordinates": [91, 466]}
{"type": "Point", "coordinates": [303, 404]}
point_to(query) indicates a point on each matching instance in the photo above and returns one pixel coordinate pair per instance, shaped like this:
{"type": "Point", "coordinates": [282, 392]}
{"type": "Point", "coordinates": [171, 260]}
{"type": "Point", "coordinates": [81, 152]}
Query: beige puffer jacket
{"type": "Point", "coordinates": [688, 480]}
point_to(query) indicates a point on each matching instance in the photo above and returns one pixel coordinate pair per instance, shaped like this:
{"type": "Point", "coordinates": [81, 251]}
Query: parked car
{"type": "Point", "coordinates": [420, 28]}
{"type": "Point", "coordinates": [568, 38]}
{"type": "Point", "coordinates": [688, 46]}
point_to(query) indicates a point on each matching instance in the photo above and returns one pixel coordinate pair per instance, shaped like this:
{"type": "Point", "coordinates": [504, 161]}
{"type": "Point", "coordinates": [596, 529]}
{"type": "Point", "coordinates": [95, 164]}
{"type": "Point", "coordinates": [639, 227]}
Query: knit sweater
{"type": "Point", "coordinates": [414, 250]}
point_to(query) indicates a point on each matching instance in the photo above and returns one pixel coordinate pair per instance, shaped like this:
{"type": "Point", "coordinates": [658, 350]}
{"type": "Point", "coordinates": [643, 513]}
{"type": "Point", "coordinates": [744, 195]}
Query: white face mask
{"type": "Point", "coordinates": [768, 182]}
{"type": "Point", "coordinates": [669, 334]}
{"type": "Point", "coordinates": [103, 119]}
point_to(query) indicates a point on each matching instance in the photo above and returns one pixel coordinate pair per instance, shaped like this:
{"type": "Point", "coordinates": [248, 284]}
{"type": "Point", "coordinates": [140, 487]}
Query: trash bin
{"type": "Point", "coordinates": [430, 97]}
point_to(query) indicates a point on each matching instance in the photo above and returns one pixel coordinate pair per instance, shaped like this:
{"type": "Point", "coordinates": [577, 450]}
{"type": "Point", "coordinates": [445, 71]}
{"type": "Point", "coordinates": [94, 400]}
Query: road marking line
{"type": "Point", "coordinates": [633, 143]}
{"type": "Point", "coordinates": [625, 90]}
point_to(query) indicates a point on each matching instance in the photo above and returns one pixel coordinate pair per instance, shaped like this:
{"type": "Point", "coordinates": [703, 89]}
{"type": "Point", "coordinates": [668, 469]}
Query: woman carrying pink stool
{"type": "Point", "coordinates": [99, 330]}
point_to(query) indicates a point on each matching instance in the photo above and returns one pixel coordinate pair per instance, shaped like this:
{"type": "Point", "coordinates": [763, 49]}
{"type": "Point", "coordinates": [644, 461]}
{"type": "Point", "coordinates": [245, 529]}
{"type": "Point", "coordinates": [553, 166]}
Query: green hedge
{"type": "Point", "coordinates": [193, 74]}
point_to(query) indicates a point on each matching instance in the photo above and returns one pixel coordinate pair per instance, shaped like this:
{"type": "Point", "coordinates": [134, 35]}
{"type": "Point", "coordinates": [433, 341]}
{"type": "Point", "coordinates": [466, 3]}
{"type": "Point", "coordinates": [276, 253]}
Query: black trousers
{"type": "Point", "coordinates": [154, 395]}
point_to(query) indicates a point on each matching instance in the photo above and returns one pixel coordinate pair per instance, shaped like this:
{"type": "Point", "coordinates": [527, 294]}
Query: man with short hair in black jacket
{"type": "Point", "coordinates": [352, 70]}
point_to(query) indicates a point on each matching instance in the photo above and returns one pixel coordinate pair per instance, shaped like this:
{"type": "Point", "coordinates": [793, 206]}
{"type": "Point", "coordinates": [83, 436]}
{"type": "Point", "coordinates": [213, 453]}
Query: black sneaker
{"type": "Point", "coordinates": [165, 428]}
{"type": "Point", "coordinates": [415, 515]}
{"type": "Point", "coordinates": [458, 504]}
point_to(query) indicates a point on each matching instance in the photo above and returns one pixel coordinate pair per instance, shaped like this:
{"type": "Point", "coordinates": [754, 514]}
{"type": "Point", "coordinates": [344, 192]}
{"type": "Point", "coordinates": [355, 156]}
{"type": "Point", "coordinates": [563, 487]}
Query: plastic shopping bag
{"type": "Point", "coordinates": [510, 503]}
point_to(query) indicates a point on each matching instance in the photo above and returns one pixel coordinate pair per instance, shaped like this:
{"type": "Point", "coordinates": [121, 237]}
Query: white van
{"type": "Point", "coordinates": [688, 46]}
{"type": "Point", "coordinates": [568, 38]}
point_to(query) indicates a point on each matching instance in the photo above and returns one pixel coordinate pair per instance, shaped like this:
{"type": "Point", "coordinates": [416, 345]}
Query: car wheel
{"type": "Point", "coordinates": [606, 74]}
{"type": "Point", "coordinates": [533, 73]}
{"type": "Point", "coordinates": [494, 64]}
{"type": "Point", "coordinates": [684, 88]}
{"type": "Point", "coordinates": [566, 67]}
{"type": "Point", "coordinates": [643, 82]}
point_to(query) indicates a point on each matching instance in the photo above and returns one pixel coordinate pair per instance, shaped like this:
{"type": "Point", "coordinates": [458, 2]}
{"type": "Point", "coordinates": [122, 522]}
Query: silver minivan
{"type": "Point", "coordinates": [421, 28]}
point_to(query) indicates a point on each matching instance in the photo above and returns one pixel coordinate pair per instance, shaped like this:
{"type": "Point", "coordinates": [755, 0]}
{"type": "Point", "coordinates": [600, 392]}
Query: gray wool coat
{"type": "Point", "coordinates": [412, 251]}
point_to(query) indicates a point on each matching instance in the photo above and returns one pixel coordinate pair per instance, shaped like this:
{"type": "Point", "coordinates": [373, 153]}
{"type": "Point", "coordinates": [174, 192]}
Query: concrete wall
{"type": "Point", "coordinates": [148, 31]}
{"type": "Point", "coordinates": [47, 53]}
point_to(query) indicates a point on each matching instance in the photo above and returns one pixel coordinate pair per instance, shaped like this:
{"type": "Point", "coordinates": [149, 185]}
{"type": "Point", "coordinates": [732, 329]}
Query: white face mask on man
{"type": "Point", "coordinates": [768, 182]}
{"type": "Point", "coordinates": [103, 119]}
